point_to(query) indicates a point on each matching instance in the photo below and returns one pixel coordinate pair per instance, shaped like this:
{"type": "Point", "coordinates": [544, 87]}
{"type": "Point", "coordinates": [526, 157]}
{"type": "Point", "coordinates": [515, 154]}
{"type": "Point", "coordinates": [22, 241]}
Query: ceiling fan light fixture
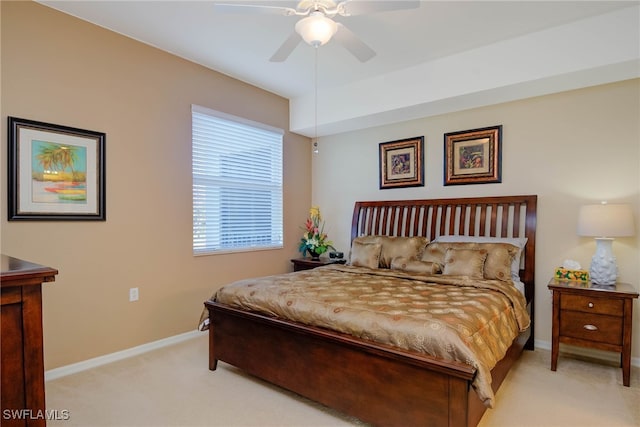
{"type": "Point", "coordinates": [316, 29]}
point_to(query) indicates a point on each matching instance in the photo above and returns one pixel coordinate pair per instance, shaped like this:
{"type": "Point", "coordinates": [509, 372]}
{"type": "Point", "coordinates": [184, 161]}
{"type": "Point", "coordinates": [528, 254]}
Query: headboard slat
{"type": "Point", "coordinates": [463, 219]}
{"type": "Point", "coordinates": [433, 223]}
{"type": "Point", "coordinates": [416, 219]}
{"type": "Point", "coordinates": [483, 220]}
{"type": "Point", "coordinates": [493, 230]}
{"type": "Point", "coordinates": [516, 221]}
{"type": "Point", "coordinates": [505, 223]}
{"type": "Point", "coordinates": [472, 220]}
{"type": "Point", "coordinates": [441, 218]}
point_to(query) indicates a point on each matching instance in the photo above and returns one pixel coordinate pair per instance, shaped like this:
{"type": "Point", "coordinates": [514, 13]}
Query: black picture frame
{"type": "Point", "coordinates": [55, 172]}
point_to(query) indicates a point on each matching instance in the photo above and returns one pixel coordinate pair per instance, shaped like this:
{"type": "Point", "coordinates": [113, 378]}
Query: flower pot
{"type": "Point", "coordinates": [313, 254]}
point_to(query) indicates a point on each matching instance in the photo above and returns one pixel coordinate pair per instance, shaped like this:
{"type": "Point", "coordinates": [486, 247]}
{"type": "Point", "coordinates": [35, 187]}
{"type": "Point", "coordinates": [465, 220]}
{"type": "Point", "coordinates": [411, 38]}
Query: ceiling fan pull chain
{"type": "Point", "coordinates": [315, 84]}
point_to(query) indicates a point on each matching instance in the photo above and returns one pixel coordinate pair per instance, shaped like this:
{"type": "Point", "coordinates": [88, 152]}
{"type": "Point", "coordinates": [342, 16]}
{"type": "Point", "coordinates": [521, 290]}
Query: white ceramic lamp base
{"type": "Point", "coordinates": [604, 270]}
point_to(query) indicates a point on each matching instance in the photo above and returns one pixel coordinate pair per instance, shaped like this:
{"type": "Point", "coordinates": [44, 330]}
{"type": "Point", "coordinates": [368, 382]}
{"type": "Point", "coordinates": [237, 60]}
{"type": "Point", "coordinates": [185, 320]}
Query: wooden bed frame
{"type": "Point", "coordinates": [379, 384]}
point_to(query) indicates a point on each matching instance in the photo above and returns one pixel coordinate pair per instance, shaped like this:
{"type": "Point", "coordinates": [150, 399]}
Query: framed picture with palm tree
{"type": "Point", "coordinates": [55, 172]}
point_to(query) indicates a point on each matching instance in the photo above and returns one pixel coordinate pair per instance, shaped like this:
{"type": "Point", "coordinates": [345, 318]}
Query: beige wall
{"type": "Point", "coordinates": [569, 148]}
{"type": "Point", "coordinates": [61, 70]}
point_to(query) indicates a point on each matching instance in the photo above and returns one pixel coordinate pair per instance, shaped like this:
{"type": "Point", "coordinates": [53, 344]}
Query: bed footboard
{"type": "Point", "coordinates": [377, 384]}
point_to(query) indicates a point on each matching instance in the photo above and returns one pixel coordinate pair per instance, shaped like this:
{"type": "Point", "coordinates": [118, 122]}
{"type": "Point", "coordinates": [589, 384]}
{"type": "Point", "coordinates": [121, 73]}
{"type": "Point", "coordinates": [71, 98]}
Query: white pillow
{"type": "Point", "coordinates": [518, 242]}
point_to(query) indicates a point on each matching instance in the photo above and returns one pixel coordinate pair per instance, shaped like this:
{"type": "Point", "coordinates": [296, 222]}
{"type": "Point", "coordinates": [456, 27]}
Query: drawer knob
{"type": "Point", "coordinates": [590, 327]}
{"type": "Point", "coordinates": [590, 305]}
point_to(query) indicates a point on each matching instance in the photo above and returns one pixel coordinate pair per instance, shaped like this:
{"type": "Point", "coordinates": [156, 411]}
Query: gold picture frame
{"type": "Point", "coordinates": [402, 163]}
{"type": "Point", "coordinates": [473, 156]}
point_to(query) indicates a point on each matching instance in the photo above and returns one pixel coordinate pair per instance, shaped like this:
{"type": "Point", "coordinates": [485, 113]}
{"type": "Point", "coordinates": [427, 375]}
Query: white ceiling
{"type": "Point", "coordinates": [442, 56]}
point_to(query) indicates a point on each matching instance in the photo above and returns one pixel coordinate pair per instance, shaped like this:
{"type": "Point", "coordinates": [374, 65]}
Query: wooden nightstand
{"type": "Point", "coordinates": [590, 315]}
{"type": "Point", "coordinates": [308, 263]}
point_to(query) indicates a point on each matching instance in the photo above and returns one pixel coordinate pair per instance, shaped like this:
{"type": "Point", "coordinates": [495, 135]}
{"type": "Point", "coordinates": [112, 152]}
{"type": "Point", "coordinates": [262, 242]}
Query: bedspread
{"type": "Point", "coordinates": [450, 317]}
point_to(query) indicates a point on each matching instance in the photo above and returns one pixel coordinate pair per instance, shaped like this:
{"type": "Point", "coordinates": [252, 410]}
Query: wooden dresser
{"type": "Point", "coordinates": [22, 373]}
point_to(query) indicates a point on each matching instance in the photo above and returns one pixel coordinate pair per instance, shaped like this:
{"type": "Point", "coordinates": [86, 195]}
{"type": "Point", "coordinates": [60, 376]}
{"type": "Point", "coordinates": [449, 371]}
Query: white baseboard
{"type": "Point", "coordinates": [74, 368]}
{"type": "Point", "coordinates": [586, 352]}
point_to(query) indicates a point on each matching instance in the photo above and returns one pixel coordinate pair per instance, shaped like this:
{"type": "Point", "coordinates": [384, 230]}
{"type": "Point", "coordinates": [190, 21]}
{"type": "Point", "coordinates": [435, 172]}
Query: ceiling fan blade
{"type": "Point", "coordinates": [353, 44]}
{"type": "Point", "coordinates": [287, 47]}
{"type": "Point", "coordinates": [252, 9]}
{"type": "Point", "coordinates": [359, 7]}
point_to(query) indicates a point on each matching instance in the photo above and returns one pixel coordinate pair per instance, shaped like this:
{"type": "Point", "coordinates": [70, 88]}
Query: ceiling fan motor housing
{"type": "Point", "coordinates": [329, 7]}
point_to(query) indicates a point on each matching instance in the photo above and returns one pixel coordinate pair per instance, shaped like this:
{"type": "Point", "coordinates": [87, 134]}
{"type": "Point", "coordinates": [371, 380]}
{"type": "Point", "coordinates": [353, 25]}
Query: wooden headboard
{"type": "Point", "coordinates": [502, 216]}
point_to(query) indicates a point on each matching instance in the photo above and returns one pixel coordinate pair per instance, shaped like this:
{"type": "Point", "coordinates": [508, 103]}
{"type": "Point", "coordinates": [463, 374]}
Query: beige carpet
{"type": "Point", "coordinates": [172, 387]}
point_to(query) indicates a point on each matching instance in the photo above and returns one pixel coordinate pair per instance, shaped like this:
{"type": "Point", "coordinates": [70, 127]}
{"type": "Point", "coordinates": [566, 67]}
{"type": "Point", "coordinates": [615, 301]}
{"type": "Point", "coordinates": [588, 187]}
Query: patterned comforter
{"type": "Point", "coordinates": [450, 317]}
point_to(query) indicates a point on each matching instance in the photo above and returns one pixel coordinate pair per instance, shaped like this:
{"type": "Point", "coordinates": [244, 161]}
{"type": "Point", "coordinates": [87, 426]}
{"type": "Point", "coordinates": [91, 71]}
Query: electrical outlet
{"type": "Point", "coordinates": [133, 294]}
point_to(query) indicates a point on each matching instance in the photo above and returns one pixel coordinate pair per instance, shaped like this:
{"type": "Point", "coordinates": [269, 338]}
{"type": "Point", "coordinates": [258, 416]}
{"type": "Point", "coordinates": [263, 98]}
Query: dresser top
{"type": "Point", "coordinates": [16, 269]}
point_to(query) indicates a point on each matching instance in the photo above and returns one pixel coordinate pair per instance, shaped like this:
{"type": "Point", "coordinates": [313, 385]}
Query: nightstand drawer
{"type": "Point", "coordinates": [591, 327]}
{"type": "Point", "coordinates": [588, 304]}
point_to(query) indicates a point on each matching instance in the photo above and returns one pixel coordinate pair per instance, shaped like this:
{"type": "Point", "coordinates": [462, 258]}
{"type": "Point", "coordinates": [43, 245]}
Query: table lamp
{"type": "Point", "coordinates": [604, 222]}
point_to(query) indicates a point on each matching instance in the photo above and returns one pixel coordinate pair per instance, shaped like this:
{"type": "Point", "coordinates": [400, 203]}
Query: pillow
{"type": "Point", "coordinates": [364, 240]}
{"type": "Point", "coordinates": [465, 262]}
{"type": "Point", "coordinates": [499, 259]}
{"type": "Point", "coordinates": [415, 266]}
{"type": "Point", "coordinates": [519, 242]}
{"type": "Point", "coordinates": [394, 247]}
{"type": "Point", "coordinates": [365, 254]}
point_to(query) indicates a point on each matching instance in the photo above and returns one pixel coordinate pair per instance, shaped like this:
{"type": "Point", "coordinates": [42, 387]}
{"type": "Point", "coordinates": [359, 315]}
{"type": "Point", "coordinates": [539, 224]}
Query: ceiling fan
{"type": "Point", "coordinates": [317, 27]}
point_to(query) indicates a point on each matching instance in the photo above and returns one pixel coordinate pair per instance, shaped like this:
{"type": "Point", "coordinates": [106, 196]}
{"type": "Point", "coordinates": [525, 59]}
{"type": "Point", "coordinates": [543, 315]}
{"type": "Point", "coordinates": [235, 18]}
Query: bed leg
{"type": "Point", "coordinates": [213, 361]}
{"type": "Point", "coordinates": [530, 344]}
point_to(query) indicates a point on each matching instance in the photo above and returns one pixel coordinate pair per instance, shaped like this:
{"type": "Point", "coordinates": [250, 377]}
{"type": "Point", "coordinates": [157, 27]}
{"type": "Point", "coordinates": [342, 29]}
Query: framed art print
{"type": "Point", "coordinates": [55, 172]}
{"type": "Point", "coordinates": [473, 156]}
{"type": "Point", "coordinates": [402, 163]}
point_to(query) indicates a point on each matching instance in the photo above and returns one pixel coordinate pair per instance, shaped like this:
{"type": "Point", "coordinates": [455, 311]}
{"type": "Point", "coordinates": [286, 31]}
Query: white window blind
{"type": "Point", "coordinates": [237, 183]}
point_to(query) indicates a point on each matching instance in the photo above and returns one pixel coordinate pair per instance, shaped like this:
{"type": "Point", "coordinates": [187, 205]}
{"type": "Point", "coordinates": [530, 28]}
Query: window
{"type": "Point", "coordinates": [237, 183]}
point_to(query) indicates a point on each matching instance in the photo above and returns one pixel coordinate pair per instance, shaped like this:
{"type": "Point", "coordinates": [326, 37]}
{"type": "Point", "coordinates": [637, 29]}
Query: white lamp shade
{"type": "Point", "coordinates": [605, 220]}
{"type": "Point", "coordinates": [316, 29]}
